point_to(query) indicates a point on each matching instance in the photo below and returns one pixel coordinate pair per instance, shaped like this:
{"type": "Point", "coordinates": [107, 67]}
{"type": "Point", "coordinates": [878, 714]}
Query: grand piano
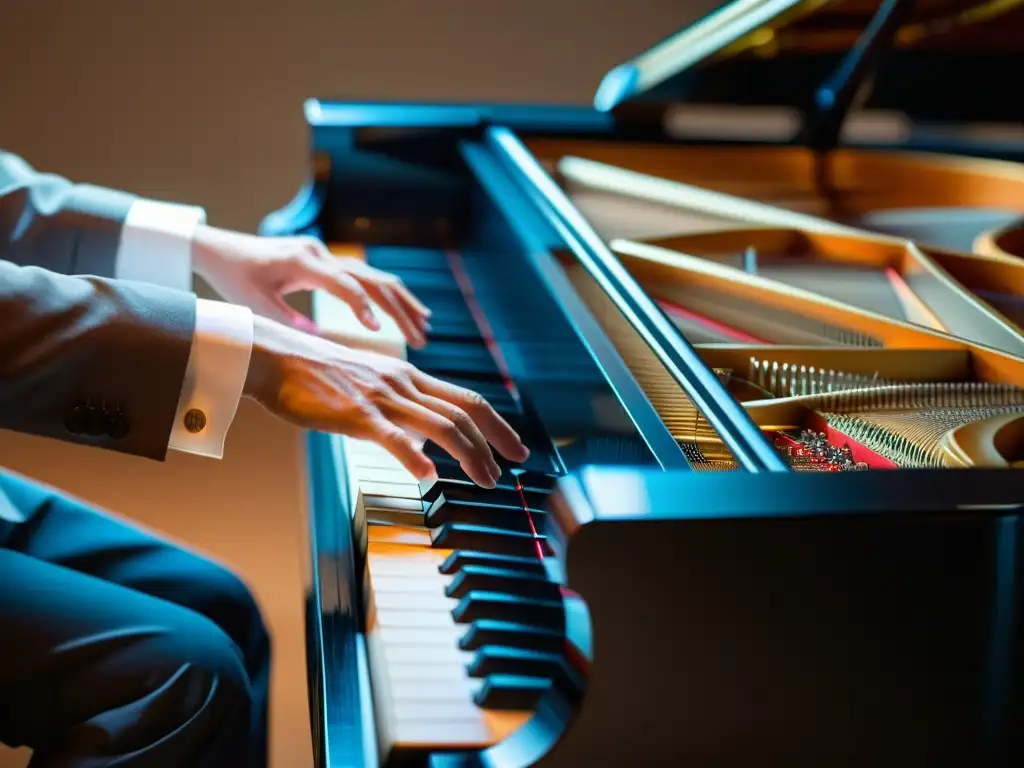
{"type": "Point", "coordinates": [757, 313]}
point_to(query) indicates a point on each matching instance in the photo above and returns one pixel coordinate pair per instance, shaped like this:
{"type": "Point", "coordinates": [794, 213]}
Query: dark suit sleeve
{"type": "Point", "coordinates": [51, 222]}
{"type": "Point", "coordinates": [91, 360]}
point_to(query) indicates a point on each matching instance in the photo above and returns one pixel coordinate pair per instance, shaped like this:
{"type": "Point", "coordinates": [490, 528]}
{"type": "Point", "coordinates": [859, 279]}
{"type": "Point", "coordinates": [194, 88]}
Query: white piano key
{"type": "Point", "coordinates": [339, 323]}
{"type": "Point", "coordinates": [411, 584]}
{"type": "Point", "coordinates": [423, 694]}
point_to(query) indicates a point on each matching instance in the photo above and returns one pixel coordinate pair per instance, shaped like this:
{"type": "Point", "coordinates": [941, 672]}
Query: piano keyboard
{"type": "Point", "coordinates": [464, 628]}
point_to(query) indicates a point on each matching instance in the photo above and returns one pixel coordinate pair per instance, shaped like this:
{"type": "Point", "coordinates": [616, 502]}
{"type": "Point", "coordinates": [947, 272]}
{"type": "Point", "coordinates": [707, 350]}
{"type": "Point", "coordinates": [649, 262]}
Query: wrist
{"type": "Point", "coordinates": [206, 251]}
{"type": "Point", "coordinates": [264, 367]}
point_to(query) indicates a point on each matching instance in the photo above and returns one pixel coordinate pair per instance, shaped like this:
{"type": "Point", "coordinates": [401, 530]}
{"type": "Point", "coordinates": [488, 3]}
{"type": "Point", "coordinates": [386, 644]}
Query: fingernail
{"type": "Point", "coordinates": [305, 324]}
{"type": "Point", "coordinates": [372, 321]}
{"type": "Point", "coordinates": [428, 327]}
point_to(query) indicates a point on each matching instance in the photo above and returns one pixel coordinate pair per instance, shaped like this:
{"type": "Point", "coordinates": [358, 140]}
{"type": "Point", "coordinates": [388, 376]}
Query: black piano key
{"type": "Point", "coordinates": [483, 579]}
{"type": "Point", "coordinates": [450, 329]}
{"type": "Point", "coordinates": [500, 660]}
{"type": "Point", "coordinates": [452, 489]}
{"type": "Point", "coordinates": [445, 302]}
{"type": "Point", "coordinates": [460, 536]}
{"type": "Point", "coordinates": [449, 469]}
{"type": "Point", "coordinates": [438, 281]}
{"type": "Point", "coordinates": [537, 463]}
{"type": "Point", "coordinates": [512, 635]}
{"type": "Point", "coordinates": [396, 259]}
{"type": "Point", "coordinates": [511, 692]}
{"type": "Point", "coordinates": [467, 360]}
{"type": "Point", "coordinates": [522, 424]}
{"type": "Point", "coordinates": [506, 516]}
{"type": "Point", "coordinates": [494, 392]}
{"type": "Point", "coordinates": [532, 611]}
{"type": "Point", "coordinates": [463, 557]}
{"type": "Point", "coordinates": [533, 471]}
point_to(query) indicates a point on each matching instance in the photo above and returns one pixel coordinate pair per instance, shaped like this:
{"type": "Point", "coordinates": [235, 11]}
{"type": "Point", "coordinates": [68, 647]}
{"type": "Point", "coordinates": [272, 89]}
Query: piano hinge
{"type": "Point", "coordinates": [847, 86]}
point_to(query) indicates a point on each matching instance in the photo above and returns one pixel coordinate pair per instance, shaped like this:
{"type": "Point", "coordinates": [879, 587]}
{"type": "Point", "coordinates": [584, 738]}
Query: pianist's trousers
{"type": "Point", "coordinates": [118, 648]}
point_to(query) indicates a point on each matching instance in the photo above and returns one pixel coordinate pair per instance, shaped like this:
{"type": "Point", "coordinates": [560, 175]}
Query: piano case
{"type": "Point", "coordinates": [757, 312]}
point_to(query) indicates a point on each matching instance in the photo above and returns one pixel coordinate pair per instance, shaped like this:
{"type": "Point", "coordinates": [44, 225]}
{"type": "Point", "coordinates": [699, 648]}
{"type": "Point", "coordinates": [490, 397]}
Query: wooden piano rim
{"type": "Point", "coordinates": [859, 180]}
{"type": "Point", "coordinates": [840, 249]}
{"type": "Point", "coordinates": [997, 442]}
{"type": "Point", "coordinates": [653, 266]}
{"type": "Point", "coordinates": [1005, 243]}
{"type": "Point", "coordinates": [963, 273]}
{"type": "Point", "coordinates": [752, 215]}
{"type": "Point", "coordinates": [989, 269]}
{"type": "Point", "coordinates": [899, 258]}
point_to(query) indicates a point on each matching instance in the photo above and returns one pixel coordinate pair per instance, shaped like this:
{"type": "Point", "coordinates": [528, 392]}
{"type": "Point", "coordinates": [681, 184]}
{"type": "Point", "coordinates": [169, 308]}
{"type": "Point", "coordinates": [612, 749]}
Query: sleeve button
{"type": "Point", "coordinates": [117, 424]}
{"type": "Point", "coordinates": [95, 423]}
{"type": "Point", "coordinates": [74, 421]}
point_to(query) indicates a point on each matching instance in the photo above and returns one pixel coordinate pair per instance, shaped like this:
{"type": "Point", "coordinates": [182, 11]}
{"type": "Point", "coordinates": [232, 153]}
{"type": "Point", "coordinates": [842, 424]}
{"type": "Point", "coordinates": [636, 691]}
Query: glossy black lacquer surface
{"type": "Point", "coordinates": [792, 619]}
{"type": "Point", "coordinates": [745, 618]}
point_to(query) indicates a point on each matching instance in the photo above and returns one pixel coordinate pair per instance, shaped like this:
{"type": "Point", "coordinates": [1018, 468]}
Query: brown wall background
{"type": "Point", "coordinates": [199, 101]}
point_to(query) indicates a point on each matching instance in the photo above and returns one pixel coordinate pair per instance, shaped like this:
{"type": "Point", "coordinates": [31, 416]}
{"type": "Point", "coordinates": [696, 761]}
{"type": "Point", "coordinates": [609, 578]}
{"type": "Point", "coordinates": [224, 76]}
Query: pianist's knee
{"type": "Point", "coordinates": [208, 695]}
{"type": "Point", "coordinates": [221, 596]}
{"type": "Point", "coordinates": [170, 692]}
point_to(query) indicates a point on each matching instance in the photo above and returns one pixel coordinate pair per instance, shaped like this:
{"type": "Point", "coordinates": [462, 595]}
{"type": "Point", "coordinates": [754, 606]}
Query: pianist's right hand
{"type": "Point", "coordinates": [317, 384]}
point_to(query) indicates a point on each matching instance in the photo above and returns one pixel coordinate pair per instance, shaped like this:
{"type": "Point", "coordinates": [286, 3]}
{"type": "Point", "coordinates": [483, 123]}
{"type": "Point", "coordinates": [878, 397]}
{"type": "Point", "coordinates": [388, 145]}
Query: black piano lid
{"type": "Point", "coordinates": [932, 60]}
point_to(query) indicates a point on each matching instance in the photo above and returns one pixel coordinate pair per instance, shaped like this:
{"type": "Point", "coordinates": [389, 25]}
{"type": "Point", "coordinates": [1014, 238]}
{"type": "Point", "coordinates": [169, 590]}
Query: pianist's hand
{"type": "Point", "coordinates": [316, 384]}
{"type": "Point", "coordinates": [259, 271]}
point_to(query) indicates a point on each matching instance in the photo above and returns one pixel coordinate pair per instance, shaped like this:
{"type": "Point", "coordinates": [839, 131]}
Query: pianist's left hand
{"type": "Point", "coordinates": [259, 271]}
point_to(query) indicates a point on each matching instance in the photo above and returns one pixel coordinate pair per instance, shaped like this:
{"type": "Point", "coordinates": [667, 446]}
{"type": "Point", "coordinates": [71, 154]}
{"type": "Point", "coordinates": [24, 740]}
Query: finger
{"type": "Point", "coordinates": [348, 289]}
{"type": "Point", "coordinates": [408, 298]}
{"type": "Point", "coordinates": [371, 276]}
{"type": "Point", "coordinates": [473, 456]}
{"type": "Point", "coordinates": [413, 308]}
{"type": "Point", "coordinates": [276, 308]}
{"type": "Point", "coordinates": [403, 447]}
{"type": "Point", "coordinates": [386, 300]}
{"type": "Point", "coordinates": [466, 426]}
{"type": "Point", "coordinates": [494, 428]}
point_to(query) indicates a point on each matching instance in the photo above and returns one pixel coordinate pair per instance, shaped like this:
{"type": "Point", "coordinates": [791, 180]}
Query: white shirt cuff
{"type": "Point", "coordinates": [156, 244]}
{"type": "Point", "coordinates": [214, 378]}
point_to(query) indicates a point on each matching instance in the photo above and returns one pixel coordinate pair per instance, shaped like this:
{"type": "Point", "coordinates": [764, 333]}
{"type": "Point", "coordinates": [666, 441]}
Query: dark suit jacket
{"type": "Point", "coordinates": [88, 360]}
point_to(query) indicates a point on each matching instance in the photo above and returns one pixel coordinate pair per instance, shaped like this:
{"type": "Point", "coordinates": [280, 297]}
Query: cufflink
{"type": "Point", "coordinates": [195, 421]}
